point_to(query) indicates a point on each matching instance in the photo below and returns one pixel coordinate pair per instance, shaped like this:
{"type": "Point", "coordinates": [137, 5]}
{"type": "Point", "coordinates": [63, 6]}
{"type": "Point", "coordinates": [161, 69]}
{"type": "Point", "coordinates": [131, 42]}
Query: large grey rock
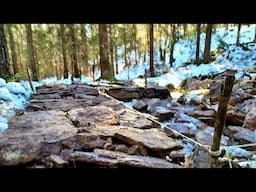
{"type": "Point", "coordinates": [22, 142]}
{"type": "Point", "coordinates": [129, 93]}
{"type": "Point", "coordinates": [250, 119]}
{"type": "Point", "coordinates": [140, 105]}
{"type": "Point", "coordinates": [205, 137]}
{"type": "Point", "coordinates": [161, 113]}
{"type": "Point", "coordinates": [84, 117]}
{"type": "Point", "coordinates": [188, 129]}
{"type": "Point", "coordinates": [152, 139]}
{"type": "Point", "coordinates": [184, 118]}
{"type": "Point", "coordinates": [131, 119]}
{"type": "Point", "coordinates": [235, 116]}
{"type": "Point", "coordinates": [244, 136]}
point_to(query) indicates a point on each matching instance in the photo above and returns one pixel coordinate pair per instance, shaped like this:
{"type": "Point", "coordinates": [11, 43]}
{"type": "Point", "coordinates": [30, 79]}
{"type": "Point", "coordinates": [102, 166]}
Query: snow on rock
{"type": "Point", "coordinates": [5, 94]}
{"type": "Point", "coordinates": [3, 126]}
{"type": "Point", "coordinates": [237, 152]}
{"type": "Point", "coordinates": [2, 82]}
{"type": "Point", "coordinates": [13, 96]}
{"type": "Point", "coordinates": [248, 164]}
{"type": "Point", "coordinates": [16, 88]}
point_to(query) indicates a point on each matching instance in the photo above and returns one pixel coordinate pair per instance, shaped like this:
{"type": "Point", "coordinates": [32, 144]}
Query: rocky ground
{"type": "Point", "coordinates": [75, 126]}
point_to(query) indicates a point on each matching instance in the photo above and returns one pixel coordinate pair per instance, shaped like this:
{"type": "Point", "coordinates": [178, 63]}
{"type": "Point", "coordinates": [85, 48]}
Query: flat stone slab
{"type": "Point", "coordinates": [114, 159]}
{"type": "Point", "coordinates": [84, 117]}
{"type": "Point", "coordinates": [153, 139]}
{"type": "Point", "coordinates": [22, 142]}
{"type": "Point", "coordinates": [129, 93]}
{"type": "Point", "coordinates": [130, 119]}
{"type": "Point", "coordinates": [150, 138]}
{"type": "Point", "coordinates": [244, 136]}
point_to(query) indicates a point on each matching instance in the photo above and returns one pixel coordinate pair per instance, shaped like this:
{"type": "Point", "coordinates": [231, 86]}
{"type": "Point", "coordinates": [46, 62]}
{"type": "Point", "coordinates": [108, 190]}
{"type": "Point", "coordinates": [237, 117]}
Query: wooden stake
{"type": "Point", "coordinates": [146, 80]}
{"type": "Point", "coordinates": [221, 115]}
{"type": "Point", "coordinates": [29, 80]}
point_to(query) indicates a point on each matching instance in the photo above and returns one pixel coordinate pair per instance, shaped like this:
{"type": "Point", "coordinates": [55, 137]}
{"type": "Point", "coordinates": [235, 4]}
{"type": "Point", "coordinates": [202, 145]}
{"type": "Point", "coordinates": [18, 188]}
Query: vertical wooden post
{"type": "Point", "coordinates": [29, 80]}
{"type": "Point", "coordinates": [93, 73]}
{"type": "Point", "coordinates": [221, 116]}
{"type": "Point", "coordinates": [146, 79]}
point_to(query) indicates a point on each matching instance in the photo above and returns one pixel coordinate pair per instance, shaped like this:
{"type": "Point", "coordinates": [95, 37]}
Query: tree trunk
{"type": "Point", "coordinates": [135, 42]}
{"type": "Point", "coordinates": [64, 53]}
{"type": "Point", "coordinates": [173, 41]}
{"type": "Point", "coordinates": [84, 50]}
{"type": "Point", "coordinates": [136, 53]}
{"type": "Point", "coordinates": [116, 58]}
{"type": "Point", "coordinates": [161, 51]}
{"type": "Point", "coordinates": [226, 27]}
{"type": "Point", "coordinates": [125, 50]}
{"type": "Point", "coordinates": [151, 40]}
{"type": "Point", "coordinates": [13, 50]}
{"type": "Point", "coordinates": [185, 29]}
{"type": "Point", "coordinates": [144, 56]}
{"type": "Point", "coordinates": [255, 34]}
{"type": "Point", "coordinates": [238, 34]}
{"type": "Point", "coordinates": [31, 52]}
{"type": "Point", "coordinates": [106, 72]}
{"type": "Point", "coordinates": [198, 32]}
{"type": "Point", "coordinates": [207, 47]}
{"type": "Point", "coordinates": [4, 59]}
{"type": "Point", "coordinates": [165, 45]}
{"type": "Point", "coordinates": [74, 63]}
{"type": "Point", "coordinates": [111, 42]}
{"type": "Point", "coordinates": [19, 59]}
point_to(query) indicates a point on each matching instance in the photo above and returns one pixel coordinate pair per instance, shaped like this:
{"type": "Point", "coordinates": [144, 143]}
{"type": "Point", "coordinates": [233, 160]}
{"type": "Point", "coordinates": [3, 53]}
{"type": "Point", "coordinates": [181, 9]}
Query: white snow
{"type": "Point", "coordinates": [188, 147]}
{"type": "Point", "coordinates": [2, 82]}
{"type": "Point", "coordinates": [16, 88]}
{"type": "Point", "coordinates": [3, 126]}
{"type": "Point", "coordinates": [248, 164]}
{"type": "Point", "coordinates": [5, 94]}
{"type": "Point", "coordinates": [236, 151]}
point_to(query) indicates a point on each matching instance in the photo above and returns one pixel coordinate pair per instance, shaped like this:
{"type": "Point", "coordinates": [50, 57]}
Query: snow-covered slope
{"type": "Point", "coordinates": [232, 58]}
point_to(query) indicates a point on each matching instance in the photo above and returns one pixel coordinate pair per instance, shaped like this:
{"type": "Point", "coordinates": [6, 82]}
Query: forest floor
{"type": "Point", "coordinates": [81, 125]}
{"type": "Point", "coordinates": [72, 125]}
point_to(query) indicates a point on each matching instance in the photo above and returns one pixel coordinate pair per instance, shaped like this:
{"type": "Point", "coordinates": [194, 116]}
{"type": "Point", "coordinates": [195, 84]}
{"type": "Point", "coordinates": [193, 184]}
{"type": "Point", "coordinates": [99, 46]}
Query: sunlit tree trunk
{"type": "Point", "coordinates": [64, 53]}
{"type": "Point", "coordinates": [125, 48]}
{"type": "Point", "coordinates": [111, 51]}
{"type": "Point", "coordinates": [226, 27]}
{"type": "Point", "coordinates": [84, 50]}
{"type": "Point", "coordinates": [74, 63]}
{"type": "Point", "coordinates": [165, 46]}
{"type": "Point", "coordinates": [151, 40]}
{"type": "Point", "coordinates": [106, 72]}
{"type": "Point", "coordinates": [207, 47]}
{"type": "Point", "coordinates": [185, 29]}
{"type": "Point", "coordinates": [19, 59]}
{"type": "Point", "coordinates": [13, 50]}
{"type": "Point", "coordinates": [135, 42]}
{"type": "Point", "coordinates": [198, 32]}
{"type": "Point", "coordinates": [31, 53]}
{"type": "Point", "coordinates": [19, 50]}
{"type": "Point", "coordinates": [238, 34]}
